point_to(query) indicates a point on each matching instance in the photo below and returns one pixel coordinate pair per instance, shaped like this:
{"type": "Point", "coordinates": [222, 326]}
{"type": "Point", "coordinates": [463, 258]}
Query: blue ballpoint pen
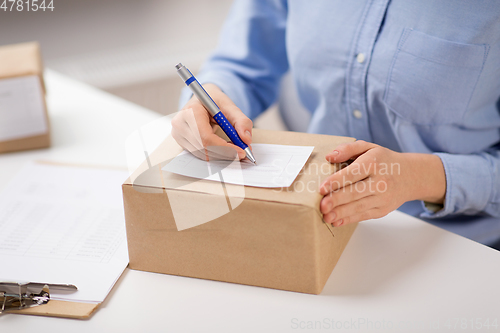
{"type": "Point", "coordinates": [213, 109]}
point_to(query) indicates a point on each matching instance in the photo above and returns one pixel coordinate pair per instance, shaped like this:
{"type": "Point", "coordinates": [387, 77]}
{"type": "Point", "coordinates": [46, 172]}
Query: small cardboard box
{"type": "Point", "coordinates": [24, 120]}
{"type": "Point", "coordinates": [274, 238]}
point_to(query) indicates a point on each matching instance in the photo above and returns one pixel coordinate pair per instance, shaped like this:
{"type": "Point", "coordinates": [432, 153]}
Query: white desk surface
{"type": "Point", "coordinates": [397, 273]}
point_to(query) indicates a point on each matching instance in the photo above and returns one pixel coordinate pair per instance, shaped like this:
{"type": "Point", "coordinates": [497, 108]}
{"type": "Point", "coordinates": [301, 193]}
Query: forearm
{"type": "Point", "coordinates": [251, 57]}
{"type": "Point", "coordinates": [426, 175]}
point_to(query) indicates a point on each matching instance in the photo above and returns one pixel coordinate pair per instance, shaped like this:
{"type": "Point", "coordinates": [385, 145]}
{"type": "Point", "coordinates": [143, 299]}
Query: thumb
{"type": "Point", "coordinates": [347, 151]}
{"type": "Point", "coordinates": [242, 124]}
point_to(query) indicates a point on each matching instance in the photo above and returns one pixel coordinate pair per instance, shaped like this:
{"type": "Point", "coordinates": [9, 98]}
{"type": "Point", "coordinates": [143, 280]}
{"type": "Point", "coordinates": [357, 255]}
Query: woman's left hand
{"type": "Point", "coordinates": [378, 182]}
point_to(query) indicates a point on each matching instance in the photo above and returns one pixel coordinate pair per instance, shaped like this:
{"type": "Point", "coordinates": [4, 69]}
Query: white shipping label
{"type": "Point", "coordinates": [22, 109]}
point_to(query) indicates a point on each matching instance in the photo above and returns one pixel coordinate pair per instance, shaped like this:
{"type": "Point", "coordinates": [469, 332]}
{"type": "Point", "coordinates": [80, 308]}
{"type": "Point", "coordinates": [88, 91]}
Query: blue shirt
{"type": "Point", "coordinates": [411, 75]}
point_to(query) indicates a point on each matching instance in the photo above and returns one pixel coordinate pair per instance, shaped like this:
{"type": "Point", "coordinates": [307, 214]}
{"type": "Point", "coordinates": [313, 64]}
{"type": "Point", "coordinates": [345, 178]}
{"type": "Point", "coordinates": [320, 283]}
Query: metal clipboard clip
{"type": "Point", "coordinates": [17, 296]}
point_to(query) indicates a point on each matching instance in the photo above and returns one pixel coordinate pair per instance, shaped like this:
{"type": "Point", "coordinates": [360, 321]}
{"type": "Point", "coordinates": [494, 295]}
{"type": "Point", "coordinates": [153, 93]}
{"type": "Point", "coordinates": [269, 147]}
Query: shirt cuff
{"type": "Point", "coordinates": [431, 207]}
{"type": "Point", "coordinates": [468, 185]}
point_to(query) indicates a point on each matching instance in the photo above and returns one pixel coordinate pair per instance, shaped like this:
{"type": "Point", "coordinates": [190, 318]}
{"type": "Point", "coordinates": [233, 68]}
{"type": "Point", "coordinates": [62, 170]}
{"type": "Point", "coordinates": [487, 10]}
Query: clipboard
{"type": "Point", "coordinates": [34, 299]}
{"type": "Point", "coordinates": [66, 308]}
{"type": "Point", "coordinates": [62, 309]}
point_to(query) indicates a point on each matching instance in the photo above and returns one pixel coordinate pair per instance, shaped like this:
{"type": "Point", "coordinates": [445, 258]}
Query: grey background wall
{"type": "Point", "coordinates": [126, 47]}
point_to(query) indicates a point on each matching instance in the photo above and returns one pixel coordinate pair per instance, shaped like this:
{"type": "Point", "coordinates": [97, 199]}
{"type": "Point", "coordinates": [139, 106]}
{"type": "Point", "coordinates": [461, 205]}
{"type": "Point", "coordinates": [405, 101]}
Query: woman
{"type": "Point", "coordinates": [416, 82]}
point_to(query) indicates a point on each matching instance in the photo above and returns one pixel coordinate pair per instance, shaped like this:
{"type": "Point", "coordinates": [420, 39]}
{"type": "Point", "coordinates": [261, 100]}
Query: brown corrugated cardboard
{"type": "Point", "coordinates": [17, 61]}
{"type": "Point", "coordinates": [275, 238]}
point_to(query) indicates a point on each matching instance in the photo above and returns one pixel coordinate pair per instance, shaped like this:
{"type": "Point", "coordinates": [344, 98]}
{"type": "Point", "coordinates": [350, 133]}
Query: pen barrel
{"type": "Point", "coordinates": [204, 98]}
{"type": "Point", "coordinates": [197, 89]}
{"type": "Point", "coordinates": [229, 130]}
{"type": "Point", "coordinates": [210, 105]}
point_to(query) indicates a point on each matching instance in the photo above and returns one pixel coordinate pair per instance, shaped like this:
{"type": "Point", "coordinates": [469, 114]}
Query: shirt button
{"type": "Point", "coordinates": [360, 58]}
{"type": "Point", "coordinates": [357, 114]}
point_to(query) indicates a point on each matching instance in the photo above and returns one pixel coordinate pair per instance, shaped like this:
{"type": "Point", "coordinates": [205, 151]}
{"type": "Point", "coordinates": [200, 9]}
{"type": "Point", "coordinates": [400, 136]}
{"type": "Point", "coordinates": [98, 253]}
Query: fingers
{"type": "Point", "coordinates": [356, 211]}
{"type": "Point", "coordinates": [358, 191]}
{"type": "Point", "coordinates": [368, 215]}
{"type": "Point", "coordinates": [199, 153]}
{"type": "Point", "coordinates": [347, 151]}
{"type": "Point", "coordinates": [353, 208]}
{"type": "Point", "coordinates": [192, 127]}
{"type": "Point", "coordinates": [241, 123]}
{"type": "Point", "coordinates": [364, 166]}
{"type": "Point", "coordinates": [211, 152]}
{"type": "Point", "coordinates": [345, 195]}
{"type": "Point", "coordinates": [192, 130]}
{"type": "Point", "coordinates": [203, 134]}
{"type": "Point", "coordinates": [351, 174]}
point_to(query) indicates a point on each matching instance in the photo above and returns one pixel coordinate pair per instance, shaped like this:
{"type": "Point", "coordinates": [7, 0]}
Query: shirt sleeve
{"type": "Point", "coordinates": [250, 57]}
{"type": "Point", "coordinates": [472, 184]}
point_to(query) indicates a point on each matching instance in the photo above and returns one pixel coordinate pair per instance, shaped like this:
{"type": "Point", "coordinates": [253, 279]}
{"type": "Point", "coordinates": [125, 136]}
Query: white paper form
{"type": "Point", "coordinates": [277, 166]}
{"type": "Point", "coordinates": [22, 109]}
{"type": "Point", "coordinates": [62, 224]}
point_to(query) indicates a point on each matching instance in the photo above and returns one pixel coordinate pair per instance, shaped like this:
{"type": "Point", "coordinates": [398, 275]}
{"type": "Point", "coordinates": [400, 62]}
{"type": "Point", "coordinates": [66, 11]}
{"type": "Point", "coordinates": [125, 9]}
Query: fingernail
{"type": "Point", "coordinates": [334, 153]}
{"type": "Point", "coordinates": [340, 222]}
{"type": "Point", "coordinates": [248, 134]}
{"type": "Point", "coordinates": [333, 216]}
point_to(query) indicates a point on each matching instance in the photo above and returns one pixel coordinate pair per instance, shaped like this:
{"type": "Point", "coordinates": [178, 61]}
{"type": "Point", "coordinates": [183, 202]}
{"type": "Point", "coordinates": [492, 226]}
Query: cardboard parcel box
{"type": "Point", "coordinates": [272, 237]}
{"type": "Point", "coordinates": [24, 122]}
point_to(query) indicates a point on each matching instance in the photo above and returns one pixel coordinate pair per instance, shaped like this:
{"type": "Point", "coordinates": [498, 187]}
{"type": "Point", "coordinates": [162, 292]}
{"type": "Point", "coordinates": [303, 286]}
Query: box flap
{"type": "Point", "coordinates": [304, 190]}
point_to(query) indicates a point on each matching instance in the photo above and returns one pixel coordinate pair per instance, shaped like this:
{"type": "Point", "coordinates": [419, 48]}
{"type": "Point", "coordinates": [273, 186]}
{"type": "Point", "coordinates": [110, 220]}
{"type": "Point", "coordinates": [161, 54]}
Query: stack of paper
{"type": "Point", "coordinates": [61, 224]}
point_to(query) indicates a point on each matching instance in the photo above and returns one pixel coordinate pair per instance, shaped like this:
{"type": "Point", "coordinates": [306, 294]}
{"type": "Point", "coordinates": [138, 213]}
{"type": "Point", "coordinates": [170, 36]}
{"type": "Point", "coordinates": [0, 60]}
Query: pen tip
{"type": "Point", "coordinates": [250, 156]}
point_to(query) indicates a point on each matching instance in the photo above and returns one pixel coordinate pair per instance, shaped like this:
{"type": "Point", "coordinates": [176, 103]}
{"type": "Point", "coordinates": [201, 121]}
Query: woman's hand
{"type": "Point", "coordinates": [194, 129]}
{"type": "Point", "coordinates": [378, 182]}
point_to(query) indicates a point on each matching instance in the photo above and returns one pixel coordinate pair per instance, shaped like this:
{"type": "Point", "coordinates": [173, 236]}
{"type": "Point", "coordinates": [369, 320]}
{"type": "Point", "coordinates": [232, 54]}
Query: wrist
{"type": "Point", "coordinates": [428, 177]}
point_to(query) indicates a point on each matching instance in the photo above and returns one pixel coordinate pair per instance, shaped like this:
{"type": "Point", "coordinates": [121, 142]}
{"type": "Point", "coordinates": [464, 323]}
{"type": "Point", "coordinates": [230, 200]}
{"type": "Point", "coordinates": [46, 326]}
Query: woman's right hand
{"type": "Point", "coordinates": [194, 129]}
